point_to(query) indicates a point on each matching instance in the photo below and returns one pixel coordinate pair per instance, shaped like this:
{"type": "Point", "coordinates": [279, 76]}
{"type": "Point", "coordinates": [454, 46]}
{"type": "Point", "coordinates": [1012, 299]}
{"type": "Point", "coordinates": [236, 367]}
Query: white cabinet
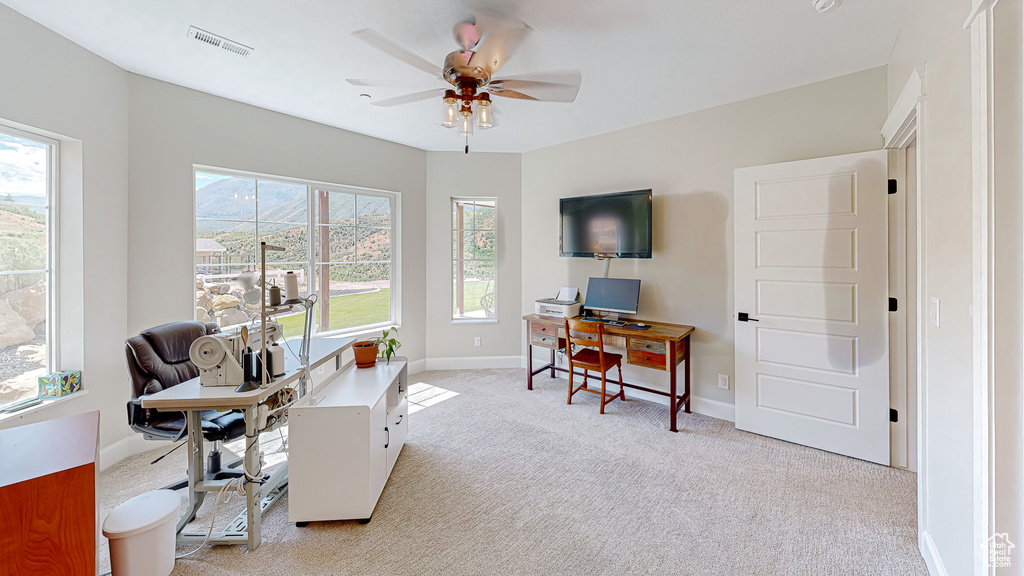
{"type": "Point", "coordinates": [344, 439]}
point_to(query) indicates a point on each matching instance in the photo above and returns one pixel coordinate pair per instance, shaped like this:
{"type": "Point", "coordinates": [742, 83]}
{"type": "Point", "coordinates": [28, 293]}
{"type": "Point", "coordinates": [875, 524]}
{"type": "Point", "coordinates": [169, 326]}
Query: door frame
{"type": "Point", "coordinates": [997, 146]}
{"type": "Point", "coordinates": [904, 125]}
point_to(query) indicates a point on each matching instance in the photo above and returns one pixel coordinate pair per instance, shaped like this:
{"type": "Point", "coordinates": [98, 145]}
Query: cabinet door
{"type": "Point", "coordinates": [398, 426]}
{"type": "Point", "coordinates": [378, 450]}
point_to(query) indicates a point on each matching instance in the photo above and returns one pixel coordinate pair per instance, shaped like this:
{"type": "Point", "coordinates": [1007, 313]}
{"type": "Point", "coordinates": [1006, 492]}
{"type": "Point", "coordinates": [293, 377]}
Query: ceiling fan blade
{"type": "Point", "coordinates": [498, 43]}
{"type": "Point", "coordinates": [549, 87]}
{"type": "Point", "coordinates": [409, 98]}
{"type": "Point", "coordinates": [378, 41]}
{"type": "Point", "coordinates": [510, 94]}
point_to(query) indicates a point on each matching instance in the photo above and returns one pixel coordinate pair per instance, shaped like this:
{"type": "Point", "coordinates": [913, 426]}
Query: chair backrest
{"type": "Point", "coordinates": [582, 333]}
{"type": "Point", "coordinates": [158, 357]}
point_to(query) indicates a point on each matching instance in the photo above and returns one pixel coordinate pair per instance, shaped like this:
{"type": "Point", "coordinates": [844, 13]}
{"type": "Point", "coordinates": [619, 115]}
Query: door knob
{"type": "Point", "coordinates": [744, 317]}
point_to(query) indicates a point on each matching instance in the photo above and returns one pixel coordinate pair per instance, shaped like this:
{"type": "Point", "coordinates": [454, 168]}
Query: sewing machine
{"type": "Point", "coordinates": [219, 356]}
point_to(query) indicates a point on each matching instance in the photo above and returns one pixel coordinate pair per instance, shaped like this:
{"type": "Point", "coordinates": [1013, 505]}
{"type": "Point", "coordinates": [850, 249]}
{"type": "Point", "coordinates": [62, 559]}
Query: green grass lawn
{"type": "Point", "coordinates": [347, 311]}
{"type": "Point", "coordinates": [366, 308]}
{"type": "Point", "coordinates": [474, 291]}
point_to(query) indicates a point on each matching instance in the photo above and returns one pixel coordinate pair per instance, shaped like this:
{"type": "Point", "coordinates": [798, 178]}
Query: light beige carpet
{"type": "Point", "coordinates": [501, 480]}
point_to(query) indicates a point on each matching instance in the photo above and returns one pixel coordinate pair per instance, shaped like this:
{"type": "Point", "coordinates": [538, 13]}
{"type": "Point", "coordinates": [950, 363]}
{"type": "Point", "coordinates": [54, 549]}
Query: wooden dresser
{"type": "Point", "coordinates": [48, 497]}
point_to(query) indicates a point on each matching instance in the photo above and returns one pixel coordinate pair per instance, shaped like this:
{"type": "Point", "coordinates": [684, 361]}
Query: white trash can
{"type": "Point", "coordinates": [141, 532]}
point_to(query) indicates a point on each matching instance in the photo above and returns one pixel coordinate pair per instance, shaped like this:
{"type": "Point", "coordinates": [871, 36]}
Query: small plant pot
{"type": "Point", "coordinates": [366, 353]}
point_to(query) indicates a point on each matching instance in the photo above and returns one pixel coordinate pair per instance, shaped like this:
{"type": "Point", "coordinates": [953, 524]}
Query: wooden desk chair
{"type": "Point", "coordinates": [580, 333]}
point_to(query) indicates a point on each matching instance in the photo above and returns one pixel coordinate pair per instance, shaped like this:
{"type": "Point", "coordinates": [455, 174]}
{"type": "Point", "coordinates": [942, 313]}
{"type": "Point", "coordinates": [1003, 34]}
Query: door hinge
{"type": "Point", "coordinates": [893, 305]}
{"type": "Point", "coordinates": [892, 186]}
{"type": "Point", "coordinates": [894, 415]}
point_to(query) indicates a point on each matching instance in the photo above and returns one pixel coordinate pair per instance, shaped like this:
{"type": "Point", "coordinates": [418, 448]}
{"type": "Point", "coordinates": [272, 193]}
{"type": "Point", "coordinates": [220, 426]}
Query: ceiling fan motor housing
{"type": "Point", "coordinates": [457, 71]}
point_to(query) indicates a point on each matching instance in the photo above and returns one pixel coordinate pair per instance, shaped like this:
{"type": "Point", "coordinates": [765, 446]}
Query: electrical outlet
{"type": "Point", "coordinates": [320, 370]}
{"type": "Point", "coordinates": [723, 381]}
{"type": "Point", "coordinates": [476, 341]}
{"type": "Point", "coordinates": [933, 311]}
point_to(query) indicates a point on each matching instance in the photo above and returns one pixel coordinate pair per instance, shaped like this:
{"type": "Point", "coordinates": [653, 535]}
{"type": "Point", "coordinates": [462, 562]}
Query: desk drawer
{"type": "Point", "coordinates": [545, 329]}
{"type": "Point", "coordinates": [545, 341]}
{"type": "Point", "coordinates": [645, 358]}
{"type": "Point", "coordinates": [653, 346]}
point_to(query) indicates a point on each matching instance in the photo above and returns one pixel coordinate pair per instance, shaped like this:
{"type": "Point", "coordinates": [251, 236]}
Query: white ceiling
{"type": "Point", "coordinates": [641, 60]}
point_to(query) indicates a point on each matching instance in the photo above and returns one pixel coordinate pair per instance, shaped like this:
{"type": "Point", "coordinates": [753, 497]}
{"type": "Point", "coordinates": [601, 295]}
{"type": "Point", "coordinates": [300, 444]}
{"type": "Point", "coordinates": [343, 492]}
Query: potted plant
{"type": "Point", "coordinates": [366, 351]}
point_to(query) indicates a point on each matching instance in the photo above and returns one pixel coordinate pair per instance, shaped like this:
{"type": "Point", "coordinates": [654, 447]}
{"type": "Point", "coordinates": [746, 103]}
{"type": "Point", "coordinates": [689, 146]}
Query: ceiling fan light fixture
{"type": "Point", "coordinates": [451, 109]}
{"type": "Point", "coordinates": [466, 124]}
{"type": "Point", "coordinates": [483, 112]}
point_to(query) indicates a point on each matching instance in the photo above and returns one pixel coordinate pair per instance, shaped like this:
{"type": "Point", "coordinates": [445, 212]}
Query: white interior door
{"type": "Point", "coordinates": [811, 257]}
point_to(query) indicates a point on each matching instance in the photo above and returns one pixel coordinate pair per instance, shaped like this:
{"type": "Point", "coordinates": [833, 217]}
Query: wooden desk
{"type": "Point", "coordinates": [191, 398]}
{"type": "Point", "coordinates": [661, 347]}
{"type": "Point", "coordinates": [48, 497]}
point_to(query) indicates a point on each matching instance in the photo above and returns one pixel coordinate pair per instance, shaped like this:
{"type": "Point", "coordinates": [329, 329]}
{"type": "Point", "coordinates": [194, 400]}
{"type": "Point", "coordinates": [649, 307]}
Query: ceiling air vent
{"type": "Point", "coordinates": [218, 41]}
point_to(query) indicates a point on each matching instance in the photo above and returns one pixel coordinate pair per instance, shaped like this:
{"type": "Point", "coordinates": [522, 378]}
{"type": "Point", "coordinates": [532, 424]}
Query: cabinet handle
{"type": "Point", "coordinates": [400, 416]}
{"type": "Point", "coordinates": [388, 441]}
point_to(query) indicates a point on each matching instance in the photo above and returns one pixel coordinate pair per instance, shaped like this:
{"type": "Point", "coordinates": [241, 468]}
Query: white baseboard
{"type": "Point", "coordinates": [932, 559]}
{"type": "Point", "coordinates": [125, 447]}
{"type": "Point", "coordinates": [417, 366]}
{"type": "Point", "coordinates": [713, 408]}
{"type": "Point", "coordinates": [474, 362]}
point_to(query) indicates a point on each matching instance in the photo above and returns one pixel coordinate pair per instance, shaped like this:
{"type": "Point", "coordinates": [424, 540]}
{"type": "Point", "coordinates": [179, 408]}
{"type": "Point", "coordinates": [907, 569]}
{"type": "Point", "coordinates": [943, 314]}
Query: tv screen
{"type": "Point", "coordinates": [608, 225]}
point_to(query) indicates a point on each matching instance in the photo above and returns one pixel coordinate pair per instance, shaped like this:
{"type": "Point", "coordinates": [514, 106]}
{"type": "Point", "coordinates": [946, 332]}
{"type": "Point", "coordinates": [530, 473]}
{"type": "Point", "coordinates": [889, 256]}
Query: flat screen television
{"type": "Point", "coordinates": [607, 225]}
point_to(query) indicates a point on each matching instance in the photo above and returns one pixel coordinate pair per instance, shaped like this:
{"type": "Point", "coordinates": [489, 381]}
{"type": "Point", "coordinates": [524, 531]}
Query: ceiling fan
{"type": "Point", "coordinates": [470, 72]}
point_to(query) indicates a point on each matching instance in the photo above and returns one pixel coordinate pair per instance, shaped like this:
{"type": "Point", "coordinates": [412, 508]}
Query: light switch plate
{"type": "Point", "coordinates": [933, 311]}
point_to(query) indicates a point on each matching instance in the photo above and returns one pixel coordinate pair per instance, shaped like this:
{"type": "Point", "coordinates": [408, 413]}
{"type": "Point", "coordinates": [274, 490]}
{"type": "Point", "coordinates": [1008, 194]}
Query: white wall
{"type": "Point", "coordinates": [173, 128]}
{"type": "Point", "coordinates": [933, 38]}
{"type": "Point", "coordinates": [54, 85]}
{"type": "Point", "coordinates": [477, 174]}
{"type": "Point", "coordinates": [688, 161]}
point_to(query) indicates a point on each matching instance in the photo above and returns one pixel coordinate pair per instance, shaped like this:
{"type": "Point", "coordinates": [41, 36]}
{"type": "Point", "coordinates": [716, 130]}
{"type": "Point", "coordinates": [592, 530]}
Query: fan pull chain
{"type": "Point", "coordinates": [467, 143]}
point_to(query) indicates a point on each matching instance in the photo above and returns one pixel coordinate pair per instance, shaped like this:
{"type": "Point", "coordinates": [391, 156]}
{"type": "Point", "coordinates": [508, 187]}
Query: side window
{"type": "Point", "coordinates": [27, 263]}
{"type": "Point", "coordinates": [474, 252]}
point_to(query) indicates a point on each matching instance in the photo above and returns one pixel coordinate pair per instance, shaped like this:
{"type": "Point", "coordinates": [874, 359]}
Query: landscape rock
{"type": "Point", "coordinates": [200, 285]}
{"type": "Point", "coordinates": [202, 315]}
{"type": "Point", "coordinates": [231, 317]}
{"type": "Point", "coordinates": [13, 328]}
{"type": "Point", "coordinates": [224, 302]}
{"type": "Point", "coordinates": [203, 300]}
{"type": "Point", "coordinates": [29, 303]}
{"type": "Point", "coordinates": [221, 289]}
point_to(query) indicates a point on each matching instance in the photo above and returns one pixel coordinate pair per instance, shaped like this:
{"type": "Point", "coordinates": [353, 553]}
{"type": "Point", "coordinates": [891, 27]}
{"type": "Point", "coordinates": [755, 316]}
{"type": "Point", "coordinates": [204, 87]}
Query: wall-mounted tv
{"type": "Point", "coordinates": [607, 225]}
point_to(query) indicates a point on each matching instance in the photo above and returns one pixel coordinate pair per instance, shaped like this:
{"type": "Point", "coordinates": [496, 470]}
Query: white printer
{"type": "Point", "coordinates": [565, 305]}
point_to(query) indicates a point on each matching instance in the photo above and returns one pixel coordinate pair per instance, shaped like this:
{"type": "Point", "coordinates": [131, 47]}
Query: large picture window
{"type": "Point", "coordinates": [27, 261]}
{"type": "Point", "coordinates": [474, 251]}
{"type": "Point", "coordinates": [347, 261]}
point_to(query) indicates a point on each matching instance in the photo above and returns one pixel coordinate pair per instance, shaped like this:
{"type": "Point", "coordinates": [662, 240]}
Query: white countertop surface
{"type": "Point", "coordinates": [189, 395]}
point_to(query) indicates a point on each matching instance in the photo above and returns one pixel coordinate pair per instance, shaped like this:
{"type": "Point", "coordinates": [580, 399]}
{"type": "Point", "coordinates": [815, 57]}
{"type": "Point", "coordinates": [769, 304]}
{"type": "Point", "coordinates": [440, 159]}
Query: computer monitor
{"type": "Point", "coordinates": [621, 295]}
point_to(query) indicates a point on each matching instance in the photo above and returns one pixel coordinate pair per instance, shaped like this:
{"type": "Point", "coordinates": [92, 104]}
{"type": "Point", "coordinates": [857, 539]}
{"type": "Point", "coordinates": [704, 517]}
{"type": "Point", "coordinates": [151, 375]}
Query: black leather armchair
{"type": "Point", "coordinates": [158, 359]}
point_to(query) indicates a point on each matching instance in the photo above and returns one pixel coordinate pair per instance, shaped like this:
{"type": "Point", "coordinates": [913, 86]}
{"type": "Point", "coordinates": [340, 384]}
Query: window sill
{"type": "Point", "coordinates": [356, 333]}
{"type": "Point", "coordinates": [474, 320]}
{"type": "Point", "coordinates": [7, 420]}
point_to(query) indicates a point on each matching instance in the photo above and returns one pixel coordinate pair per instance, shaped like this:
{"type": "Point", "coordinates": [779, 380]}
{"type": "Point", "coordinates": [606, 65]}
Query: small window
{"type": "Point", "coordinates": [27, 178]}
{"type": "Point", "coordinates": [474, 253]}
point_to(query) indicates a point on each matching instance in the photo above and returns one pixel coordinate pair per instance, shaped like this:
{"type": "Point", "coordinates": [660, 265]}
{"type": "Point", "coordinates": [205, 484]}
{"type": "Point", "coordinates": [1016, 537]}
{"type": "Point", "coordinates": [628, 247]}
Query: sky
{"type": "Point", "coordinates": [204, 179]}
{"type": "Point", "coordinates": [22, 167]}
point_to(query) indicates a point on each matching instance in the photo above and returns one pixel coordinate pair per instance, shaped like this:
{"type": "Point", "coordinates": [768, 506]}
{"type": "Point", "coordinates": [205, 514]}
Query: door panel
{"type": "Point", "coordinates": [811, 268]}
